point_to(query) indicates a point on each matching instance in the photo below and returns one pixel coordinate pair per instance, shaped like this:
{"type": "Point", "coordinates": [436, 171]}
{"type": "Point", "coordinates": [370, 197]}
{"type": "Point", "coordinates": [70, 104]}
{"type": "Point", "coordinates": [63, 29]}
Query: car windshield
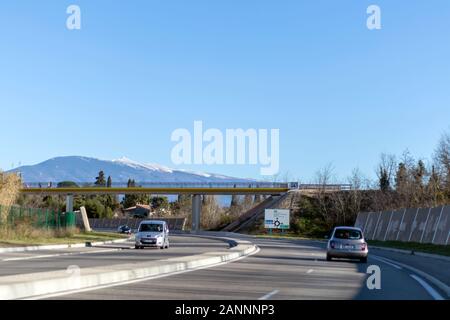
{"type": "Point", "coordinates": [151, 227]}
{"type": "Point", "coordinates": [348, 234]}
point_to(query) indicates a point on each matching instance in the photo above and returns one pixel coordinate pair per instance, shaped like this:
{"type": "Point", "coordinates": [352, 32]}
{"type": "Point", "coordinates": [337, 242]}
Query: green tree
{"type": "Point", "coordinates": [131, 183]}
{"type": "Point", "coordinates": [96, 209]}
{"type": "Point", "coordinates": [109, 182]}
{"type": "Point", "coordinates": [418, 190]}
{"type": "Point", "coordinates": [130, 200]}
{"type": "Point", "coordinates": [419, 173]}
{"type": "Point", "coordinates": [384, 182]}
{"type": "Point", "coordinates": [434, 188]}
{"type": "Point", "coordinates": [183, 205]}
{"type": "Point", "coordinates": [100, 180]}
{"type": "Point", "coordinates": [67, 184]}
{"type": "Point", "coordinates": [159, 203]}
{"type": "Point", "coordinates": [401, 178]}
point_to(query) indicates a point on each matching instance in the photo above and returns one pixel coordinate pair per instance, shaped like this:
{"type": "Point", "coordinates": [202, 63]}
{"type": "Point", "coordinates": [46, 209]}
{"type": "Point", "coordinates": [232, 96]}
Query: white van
{"type": "Point", "coordinates": [152, 233]}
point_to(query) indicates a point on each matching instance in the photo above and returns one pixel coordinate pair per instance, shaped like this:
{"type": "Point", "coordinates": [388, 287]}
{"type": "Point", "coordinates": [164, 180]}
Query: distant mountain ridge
{"type": "Point", "coordinates": [84, 170]}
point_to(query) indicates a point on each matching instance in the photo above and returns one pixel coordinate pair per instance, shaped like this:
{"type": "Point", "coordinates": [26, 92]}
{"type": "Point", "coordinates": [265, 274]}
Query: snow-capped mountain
{"type": "Point", "coordinates": [84, 170]}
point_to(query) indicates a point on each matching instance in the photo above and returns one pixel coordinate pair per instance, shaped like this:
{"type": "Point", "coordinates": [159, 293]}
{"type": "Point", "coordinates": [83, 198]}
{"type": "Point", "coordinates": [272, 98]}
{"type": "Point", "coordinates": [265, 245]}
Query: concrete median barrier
{"type": "Point", "coordinates": [27, 286]}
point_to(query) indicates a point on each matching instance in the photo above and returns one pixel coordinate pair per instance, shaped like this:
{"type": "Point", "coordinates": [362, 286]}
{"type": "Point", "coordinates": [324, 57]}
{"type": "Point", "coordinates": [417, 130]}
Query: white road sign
{"type": "Point", "coordinates": [276, 219]}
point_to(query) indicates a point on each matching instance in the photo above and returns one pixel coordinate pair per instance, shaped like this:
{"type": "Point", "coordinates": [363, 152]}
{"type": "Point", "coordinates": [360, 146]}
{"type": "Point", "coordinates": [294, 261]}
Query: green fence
{"type": "Point", "coordinates": [39, 218]}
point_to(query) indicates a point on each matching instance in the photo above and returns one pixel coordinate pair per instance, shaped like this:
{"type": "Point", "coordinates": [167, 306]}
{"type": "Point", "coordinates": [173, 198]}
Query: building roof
{"type": "Point", "coordinates": [139, 206]}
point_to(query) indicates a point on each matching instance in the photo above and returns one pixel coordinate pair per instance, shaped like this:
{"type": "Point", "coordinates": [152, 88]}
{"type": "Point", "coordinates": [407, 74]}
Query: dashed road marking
{"type": "Point", "coordinates": [269, 295]}
{"type": "Point", "coordinates": [428, 288]}
{"type": "Point", "coordinates": [387, 262]}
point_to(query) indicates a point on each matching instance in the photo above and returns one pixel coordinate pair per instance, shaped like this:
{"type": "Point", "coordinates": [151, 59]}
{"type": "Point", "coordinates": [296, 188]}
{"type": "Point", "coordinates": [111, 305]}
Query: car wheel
{"type": "Point", "coordinates": [137, 247]}
{"type": "Point", "coordinates": [329, 258]}
{"type": "Point", "coordinates": [363, 260]}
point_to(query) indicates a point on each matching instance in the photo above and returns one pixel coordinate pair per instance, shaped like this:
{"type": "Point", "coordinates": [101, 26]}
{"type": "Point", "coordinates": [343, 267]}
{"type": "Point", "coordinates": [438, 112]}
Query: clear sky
{"type": "Point", "coordinates": [137, 70]}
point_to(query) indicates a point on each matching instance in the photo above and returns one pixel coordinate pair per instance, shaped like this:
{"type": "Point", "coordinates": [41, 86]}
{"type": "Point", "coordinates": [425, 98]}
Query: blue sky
{"type": "Point", "coordinates": [137, 70]}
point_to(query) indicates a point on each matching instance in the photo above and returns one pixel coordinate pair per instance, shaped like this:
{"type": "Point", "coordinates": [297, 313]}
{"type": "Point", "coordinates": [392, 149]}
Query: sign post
{"type": "Point", "coordinates": [277, 219]}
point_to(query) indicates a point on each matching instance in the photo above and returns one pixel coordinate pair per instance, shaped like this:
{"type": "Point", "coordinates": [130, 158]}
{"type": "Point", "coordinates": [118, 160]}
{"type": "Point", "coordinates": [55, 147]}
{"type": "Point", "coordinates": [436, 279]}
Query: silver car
{"type": "Point", "coordinates": [347, 242]}
{"type": "Point", "coordinates": [152, 233]}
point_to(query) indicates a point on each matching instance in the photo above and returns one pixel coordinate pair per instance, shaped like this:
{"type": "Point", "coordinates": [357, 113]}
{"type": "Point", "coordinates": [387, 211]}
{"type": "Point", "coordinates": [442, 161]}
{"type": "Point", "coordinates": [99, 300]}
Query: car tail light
{"type": "Point", "coordinates": [363, 246]}
{"type": "Point", "coordinates": [332, 244]}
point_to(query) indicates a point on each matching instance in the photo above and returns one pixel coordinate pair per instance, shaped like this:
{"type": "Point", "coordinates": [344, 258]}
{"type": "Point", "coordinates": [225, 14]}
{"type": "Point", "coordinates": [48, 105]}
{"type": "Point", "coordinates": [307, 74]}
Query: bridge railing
{"type": "Point", "coordinates": [168, 185]}
{"type": "Point", "coordinates": [327, 187]}
{"type": "Point", "coordinates": [206, 185]}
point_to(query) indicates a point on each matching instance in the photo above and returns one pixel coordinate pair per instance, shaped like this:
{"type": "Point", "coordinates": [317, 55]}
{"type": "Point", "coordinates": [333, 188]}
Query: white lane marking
{"type": "Point", "coordinates": [59, 255]}
{"type": "Point", "coordinates": [428, 288]}
{"type": "Point", "coordinates": [438, 283]}
{"type": "Point", "coordinates": [387, 262]}
{"type": "Point", "coordinates": [310, 271]}
{"type": "Point", "coordinates": [139, 280]}
{"type": "Point", "coordinates": [269, 295]}
{"type": "Point", "coordinates": [286, 246]}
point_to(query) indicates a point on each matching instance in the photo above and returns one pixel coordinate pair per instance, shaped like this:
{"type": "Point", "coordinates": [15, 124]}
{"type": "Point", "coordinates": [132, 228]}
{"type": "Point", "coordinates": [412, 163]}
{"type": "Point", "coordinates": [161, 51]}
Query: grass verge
{"type": "Point", "coordinates": [64, 238]}
{"type": "Point", "coordinates": [413, 246]}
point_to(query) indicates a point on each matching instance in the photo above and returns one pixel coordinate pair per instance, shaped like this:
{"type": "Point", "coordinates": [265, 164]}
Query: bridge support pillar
{"type": "Point", "coordinates": [69, 203]}
{"type": "Point", "coordinates": [196, 212]}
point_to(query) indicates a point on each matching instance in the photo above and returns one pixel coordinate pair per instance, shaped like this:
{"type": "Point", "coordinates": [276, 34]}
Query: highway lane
{"type": "Point", "coordinates": [282, 269]}
{"type": "Point", "coordinates": [440, 269]}
{"type": "Point", "coordinates": [113, 254]}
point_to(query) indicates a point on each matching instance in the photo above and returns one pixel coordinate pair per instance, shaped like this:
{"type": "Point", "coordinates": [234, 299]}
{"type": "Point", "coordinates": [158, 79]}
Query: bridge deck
{"type": "Point", "coordinates": [160, 191]}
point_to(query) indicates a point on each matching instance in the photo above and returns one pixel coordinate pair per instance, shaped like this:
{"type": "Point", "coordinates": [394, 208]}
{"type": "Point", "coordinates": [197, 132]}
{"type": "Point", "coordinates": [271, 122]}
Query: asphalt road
{"type": "Point", "coordinates": [282, 269]}
{"type": "Point", "coordinates": [114, 254]}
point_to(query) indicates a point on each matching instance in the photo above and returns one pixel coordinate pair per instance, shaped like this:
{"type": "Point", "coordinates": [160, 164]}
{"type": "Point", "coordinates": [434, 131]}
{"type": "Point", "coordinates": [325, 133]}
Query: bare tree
{"type": "Point", "coordinates": [442, 161]}
{"type": "Point", "coordinates": [359, 184]}
{"type": "Point", "coordinates": [324, 176]}
{"type": "Point", "coordinates": [434, 188]}
{"type": "Point", "coordinates": [211, 212]}
{"type": "Point", "coordinates": [287, 177]}
{"type": "Point", "coordinates": [386, 170]}
{"type": "Point", "coordinates": [9, 190]}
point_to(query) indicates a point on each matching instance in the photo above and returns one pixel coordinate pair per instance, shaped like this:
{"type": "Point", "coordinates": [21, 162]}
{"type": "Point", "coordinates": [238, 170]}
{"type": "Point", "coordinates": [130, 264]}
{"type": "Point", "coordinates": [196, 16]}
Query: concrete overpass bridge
{"type": "Point", "coordinates": [196, 190]}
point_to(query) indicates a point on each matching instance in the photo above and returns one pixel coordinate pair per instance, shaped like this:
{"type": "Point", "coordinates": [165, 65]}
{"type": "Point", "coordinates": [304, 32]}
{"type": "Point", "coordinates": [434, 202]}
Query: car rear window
{"type": "Point", "coordinates": [348, 234]}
